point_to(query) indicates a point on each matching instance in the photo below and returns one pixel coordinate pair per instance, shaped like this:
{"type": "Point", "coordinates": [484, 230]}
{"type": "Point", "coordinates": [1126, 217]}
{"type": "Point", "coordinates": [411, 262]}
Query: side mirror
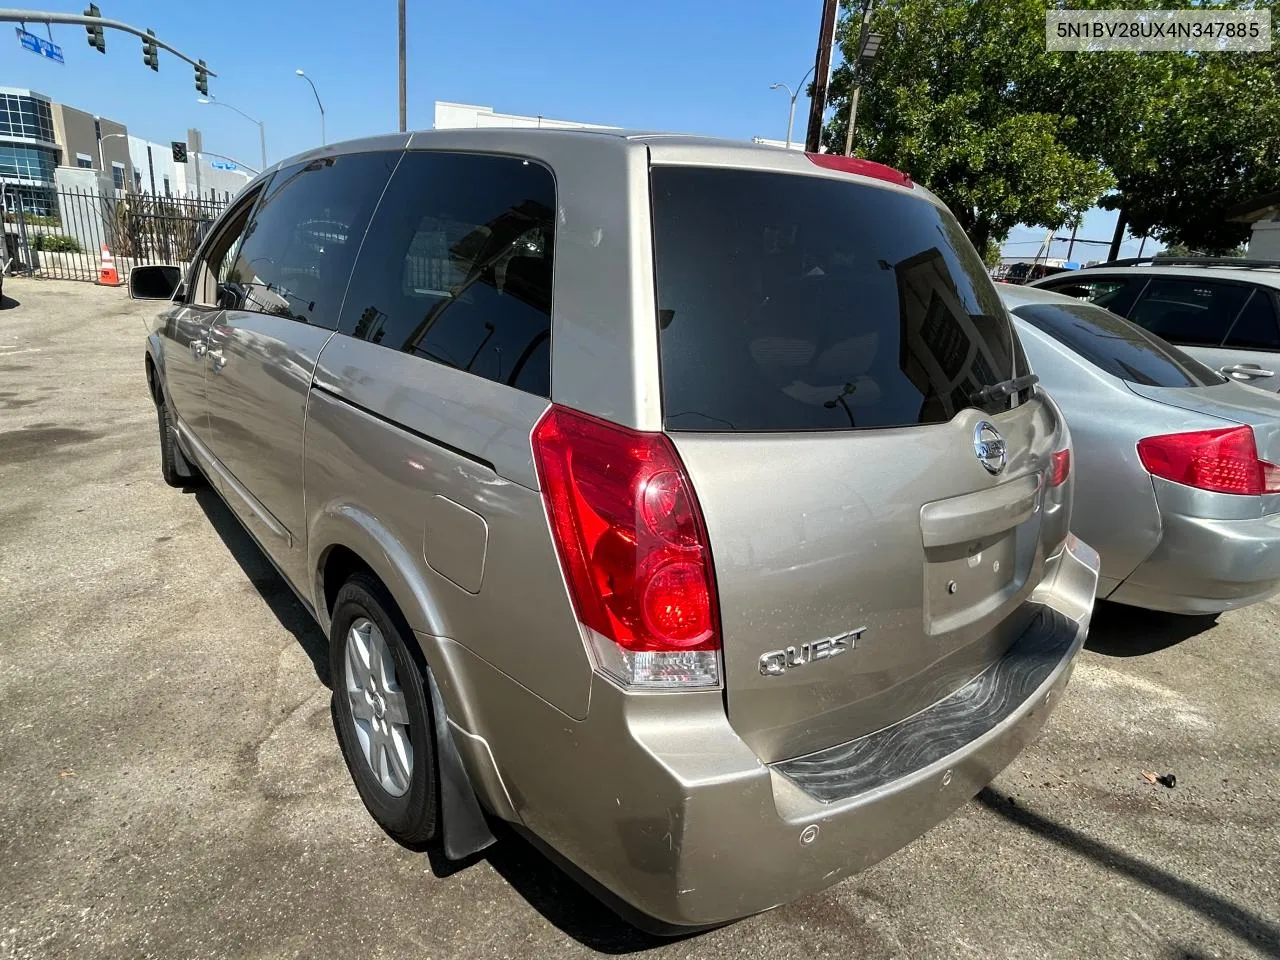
{"type": "Point", "coordinates": [154, 281]}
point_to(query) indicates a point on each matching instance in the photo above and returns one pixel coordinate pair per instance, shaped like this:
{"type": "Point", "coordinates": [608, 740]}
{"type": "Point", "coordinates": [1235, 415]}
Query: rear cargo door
{"type": "Point", "coordinates": [832, 360]}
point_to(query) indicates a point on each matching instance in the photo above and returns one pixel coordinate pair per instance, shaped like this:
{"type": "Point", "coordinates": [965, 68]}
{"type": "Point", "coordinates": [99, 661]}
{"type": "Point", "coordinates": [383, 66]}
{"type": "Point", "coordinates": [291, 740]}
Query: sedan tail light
{"type": "Point", "coordinates": [1223, 461]}
{"type": "Point", "coordinates": [633, 547]}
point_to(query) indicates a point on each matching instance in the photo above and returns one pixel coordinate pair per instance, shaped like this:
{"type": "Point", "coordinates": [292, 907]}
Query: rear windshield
{"type": "Point", "coordinates": [791, 302]}
{"type": "Point", "coordinates": [1117, 346]}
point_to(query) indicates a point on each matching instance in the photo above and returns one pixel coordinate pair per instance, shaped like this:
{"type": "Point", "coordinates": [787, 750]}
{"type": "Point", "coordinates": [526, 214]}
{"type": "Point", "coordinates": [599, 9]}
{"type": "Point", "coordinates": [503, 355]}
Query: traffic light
{"type": "Point", "coordinates": [179, 151]}
{"type": "Point", "coordinates": [96, 39]}
{"type": "Point", "coordinates": [202, 79]}
{"type": "Point", "coordinates": [150, 52]}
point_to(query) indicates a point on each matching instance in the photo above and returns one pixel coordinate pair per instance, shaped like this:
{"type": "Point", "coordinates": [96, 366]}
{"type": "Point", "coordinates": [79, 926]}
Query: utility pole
{"type": "Point", "coordinates": [1071, 244]}
{"type": "Point", "coordinates": [1118, 237]}
{"type": "Point", "coordinates": [195, 143]}
{"type": "Point", "coordinates": [821, 75]}
{"type": "Point", "coordinates": [404, 107]}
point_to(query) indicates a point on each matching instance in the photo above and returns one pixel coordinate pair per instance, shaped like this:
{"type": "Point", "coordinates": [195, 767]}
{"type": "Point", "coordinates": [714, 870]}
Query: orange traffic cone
{"type": "Point", "coordinates": [108, 276]}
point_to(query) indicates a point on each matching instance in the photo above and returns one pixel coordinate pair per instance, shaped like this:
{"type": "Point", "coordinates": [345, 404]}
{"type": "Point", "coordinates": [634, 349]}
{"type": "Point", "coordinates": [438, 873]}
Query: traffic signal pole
{"type": "Point", "coordinates": [8, 15]}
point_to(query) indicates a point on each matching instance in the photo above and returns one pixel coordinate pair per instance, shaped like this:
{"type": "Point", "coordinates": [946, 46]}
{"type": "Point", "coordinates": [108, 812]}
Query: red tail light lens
{"type": "Point", "coordinates": [863, 168]}
{"type": "Point", "coordinates": [633, 546]}
{"type": "Point", "coordinates": [1059, 467]}
{"type": "Point", "coordinates": [1223, 461]}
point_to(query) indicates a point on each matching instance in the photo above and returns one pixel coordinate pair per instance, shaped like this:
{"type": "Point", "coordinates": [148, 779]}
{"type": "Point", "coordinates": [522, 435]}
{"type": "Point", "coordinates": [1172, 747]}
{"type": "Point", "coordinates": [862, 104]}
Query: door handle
{"type": "Point", "coordinates": [1247, 370]}
{"type": "Point", "coordinates": [219, 361]}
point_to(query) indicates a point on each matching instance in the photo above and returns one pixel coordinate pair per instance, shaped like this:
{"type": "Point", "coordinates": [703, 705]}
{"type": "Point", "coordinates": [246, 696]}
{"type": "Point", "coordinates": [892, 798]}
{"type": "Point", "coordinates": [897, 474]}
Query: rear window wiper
{"type": "Point", "coordinates": [1006, 388]}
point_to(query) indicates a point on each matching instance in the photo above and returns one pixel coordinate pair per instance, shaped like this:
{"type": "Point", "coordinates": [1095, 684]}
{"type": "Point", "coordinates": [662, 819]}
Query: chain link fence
{"type": "Point", "coordinates": [136, 227]}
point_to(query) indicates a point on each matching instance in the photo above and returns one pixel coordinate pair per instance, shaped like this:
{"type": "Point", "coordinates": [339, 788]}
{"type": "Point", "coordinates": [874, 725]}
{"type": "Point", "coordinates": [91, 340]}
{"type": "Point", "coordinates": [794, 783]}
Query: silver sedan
{"type": "Point", "coordinates": [1176, 478]}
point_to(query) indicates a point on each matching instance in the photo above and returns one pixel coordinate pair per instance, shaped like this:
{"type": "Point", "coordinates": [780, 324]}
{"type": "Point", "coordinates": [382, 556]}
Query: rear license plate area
{"type": "Point", "coordinates": [965, 582]}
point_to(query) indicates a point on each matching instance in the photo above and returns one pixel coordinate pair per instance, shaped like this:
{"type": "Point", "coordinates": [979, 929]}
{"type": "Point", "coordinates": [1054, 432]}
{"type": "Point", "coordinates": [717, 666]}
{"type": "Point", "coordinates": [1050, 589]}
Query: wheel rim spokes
{"type": "Point", "coordinates": [378, 707]}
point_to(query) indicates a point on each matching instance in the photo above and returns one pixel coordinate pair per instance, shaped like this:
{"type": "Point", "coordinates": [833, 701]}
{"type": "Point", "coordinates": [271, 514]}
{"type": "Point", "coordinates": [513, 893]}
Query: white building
{"type": "Point", "coordinates": [1264, 214]}
{"type": "Point", "coordinates": [154, 171]}
{"type": "Point", "coordinates": [470, 116]}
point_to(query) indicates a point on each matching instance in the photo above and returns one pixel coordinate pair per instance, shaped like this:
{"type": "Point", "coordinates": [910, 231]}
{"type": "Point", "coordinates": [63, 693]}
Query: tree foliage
{"type": "Point", "coordinates": [1215, 144]}
{"type": "Point", "coordinates": [965, 97]}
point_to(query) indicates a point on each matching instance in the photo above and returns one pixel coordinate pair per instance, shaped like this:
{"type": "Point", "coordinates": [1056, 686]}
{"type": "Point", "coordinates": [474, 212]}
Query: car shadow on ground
{"type": "Point", "coordinates": [1121, 631]}
{"type": "Point", "coordinates": [286, 606]}
{"type": "Point", "coordinates": [1255, 930]}
{"type": "Point", "coordinates": [8, 303]}
{"type": "Point", "coordinates": [564, 902]}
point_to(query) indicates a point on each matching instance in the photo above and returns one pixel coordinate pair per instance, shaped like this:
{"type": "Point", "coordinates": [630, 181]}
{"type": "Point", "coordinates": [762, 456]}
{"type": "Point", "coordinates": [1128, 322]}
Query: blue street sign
{"type": "Point", "coordinates": [223, 165]}
{"type": "Point", "coordinates": [45, 48]}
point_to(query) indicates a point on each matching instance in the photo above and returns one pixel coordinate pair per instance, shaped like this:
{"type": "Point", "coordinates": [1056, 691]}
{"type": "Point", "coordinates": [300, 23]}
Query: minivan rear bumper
{"type": "Point", "coordinates": [657, 800]}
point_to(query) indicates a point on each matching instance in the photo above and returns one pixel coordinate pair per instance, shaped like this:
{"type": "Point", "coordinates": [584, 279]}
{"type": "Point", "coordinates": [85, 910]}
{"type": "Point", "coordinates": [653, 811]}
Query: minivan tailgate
{"type": "Point", "coordinates": [874, 571]}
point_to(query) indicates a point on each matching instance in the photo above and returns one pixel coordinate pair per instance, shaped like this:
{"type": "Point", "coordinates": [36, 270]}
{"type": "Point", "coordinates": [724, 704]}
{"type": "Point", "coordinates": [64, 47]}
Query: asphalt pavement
{"type": "Point", "coordinates": [170, 784]}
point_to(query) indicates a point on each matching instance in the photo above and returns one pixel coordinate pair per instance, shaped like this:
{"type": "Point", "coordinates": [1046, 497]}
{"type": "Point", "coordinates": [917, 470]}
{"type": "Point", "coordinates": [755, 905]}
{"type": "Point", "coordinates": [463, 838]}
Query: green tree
{"type": "Point", "coordinates": [965, 97]}
{"type": "Point", "coordinates": [1215, 144]}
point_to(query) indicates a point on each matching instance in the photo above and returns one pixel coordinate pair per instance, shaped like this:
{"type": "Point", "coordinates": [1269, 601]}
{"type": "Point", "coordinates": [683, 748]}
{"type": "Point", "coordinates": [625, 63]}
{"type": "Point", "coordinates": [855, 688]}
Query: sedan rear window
{"type": "Point", "coordinates": [1117, 346]}
{"type": "Point", "coordinates": [791, 302]}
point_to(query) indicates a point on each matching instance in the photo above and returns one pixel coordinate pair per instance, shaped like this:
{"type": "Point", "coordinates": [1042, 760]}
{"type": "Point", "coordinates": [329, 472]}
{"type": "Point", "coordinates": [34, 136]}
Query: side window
{"type": "Point", "coordinates": [208, 274]}
{"type": "Point", "coordinates": [1189, 311]}
{"type": "Point", "coordinates": [1256, 328]}
{"type": "Point", "coordinates": [296, 256]}
{"type": "Point", "coordinates": [456, 267]}
{"type": "Point", "coordinates": [1112, 293]}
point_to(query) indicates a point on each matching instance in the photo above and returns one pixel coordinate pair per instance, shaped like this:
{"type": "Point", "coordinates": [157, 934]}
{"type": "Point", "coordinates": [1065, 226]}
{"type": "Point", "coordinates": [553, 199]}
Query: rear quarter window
{"type": "Point", "coordinates": [457, 267]}
{"type": "Point", "coordinates": [1116, 346]}
{"type": "Point", "coordinates": [790, 302]}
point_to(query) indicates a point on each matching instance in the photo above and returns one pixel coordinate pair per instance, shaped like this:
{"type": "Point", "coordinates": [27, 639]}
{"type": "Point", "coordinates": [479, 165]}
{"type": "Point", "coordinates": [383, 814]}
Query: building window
{"type": "Point", "coordinates": [84, 161]}
{"type": "Point", "coordinates": [25, 117]}
{"type": "Point", "coordinates": [117, 175]}
{"type": "Point", "coordinates": [27, 163]}
{"type": "Point", "coordinates": [166, 187]}
{"type": "Point", "coordinates": [37, 200]}
{"type": "Point", "coordinates": [137, 181]}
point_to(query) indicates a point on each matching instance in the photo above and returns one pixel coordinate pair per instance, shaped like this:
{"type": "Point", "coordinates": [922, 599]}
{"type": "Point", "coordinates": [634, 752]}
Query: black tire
{"type": "Point", "coordinates": [410, 818]}
{"type": "Point", "coordinates": [169, 452]}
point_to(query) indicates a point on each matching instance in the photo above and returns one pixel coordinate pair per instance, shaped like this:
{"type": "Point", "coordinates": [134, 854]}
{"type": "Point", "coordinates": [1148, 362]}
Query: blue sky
{"type": "Point", "coordinates": [689, 65]}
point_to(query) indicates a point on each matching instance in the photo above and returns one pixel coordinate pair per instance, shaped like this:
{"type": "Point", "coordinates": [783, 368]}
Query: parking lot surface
{"type": "Point", "coordinates": [170, 784]}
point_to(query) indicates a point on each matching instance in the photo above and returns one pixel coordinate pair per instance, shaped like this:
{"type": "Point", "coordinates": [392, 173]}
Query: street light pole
{"type": "Point", "coordinates": [102, 160]}
{"type": "Point", "coordinates": [868, 47]}
{"type": "Point", "coordinates": [299, 72]}
{"type": "Point", "coordinates": [262, 130]}
{"type": "Point", "coordinates": [793, 94]}
{"type": "Point", "coordinates": [403, 96]}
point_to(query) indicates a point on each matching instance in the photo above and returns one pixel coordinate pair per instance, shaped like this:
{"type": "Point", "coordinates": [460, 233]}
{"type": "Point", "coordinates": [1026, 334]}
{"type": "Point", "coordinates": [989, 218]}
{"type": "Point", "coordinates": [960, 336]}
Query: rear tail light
{"type": "Point", "coordinates": [633, 547]}
{"type": "Point", "coordinates": [1059, 467]}
{"type": "Point", "coordinates": [1223, 461]}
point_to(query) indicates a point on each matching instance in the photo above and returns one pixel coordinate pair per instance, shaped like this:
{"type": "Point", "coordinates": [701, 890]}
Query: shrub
{"type": "Point", "coordinates": [33, 219]}
{"type": "Point", "coordinates": [57, 243]}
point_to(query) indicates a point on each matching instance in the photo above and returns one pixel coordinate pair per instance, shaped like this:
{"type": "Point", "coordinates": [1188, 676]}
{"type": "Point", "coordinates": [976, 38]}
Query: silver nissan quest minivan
{"type": "Point", "coordinates": [687, 504]}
